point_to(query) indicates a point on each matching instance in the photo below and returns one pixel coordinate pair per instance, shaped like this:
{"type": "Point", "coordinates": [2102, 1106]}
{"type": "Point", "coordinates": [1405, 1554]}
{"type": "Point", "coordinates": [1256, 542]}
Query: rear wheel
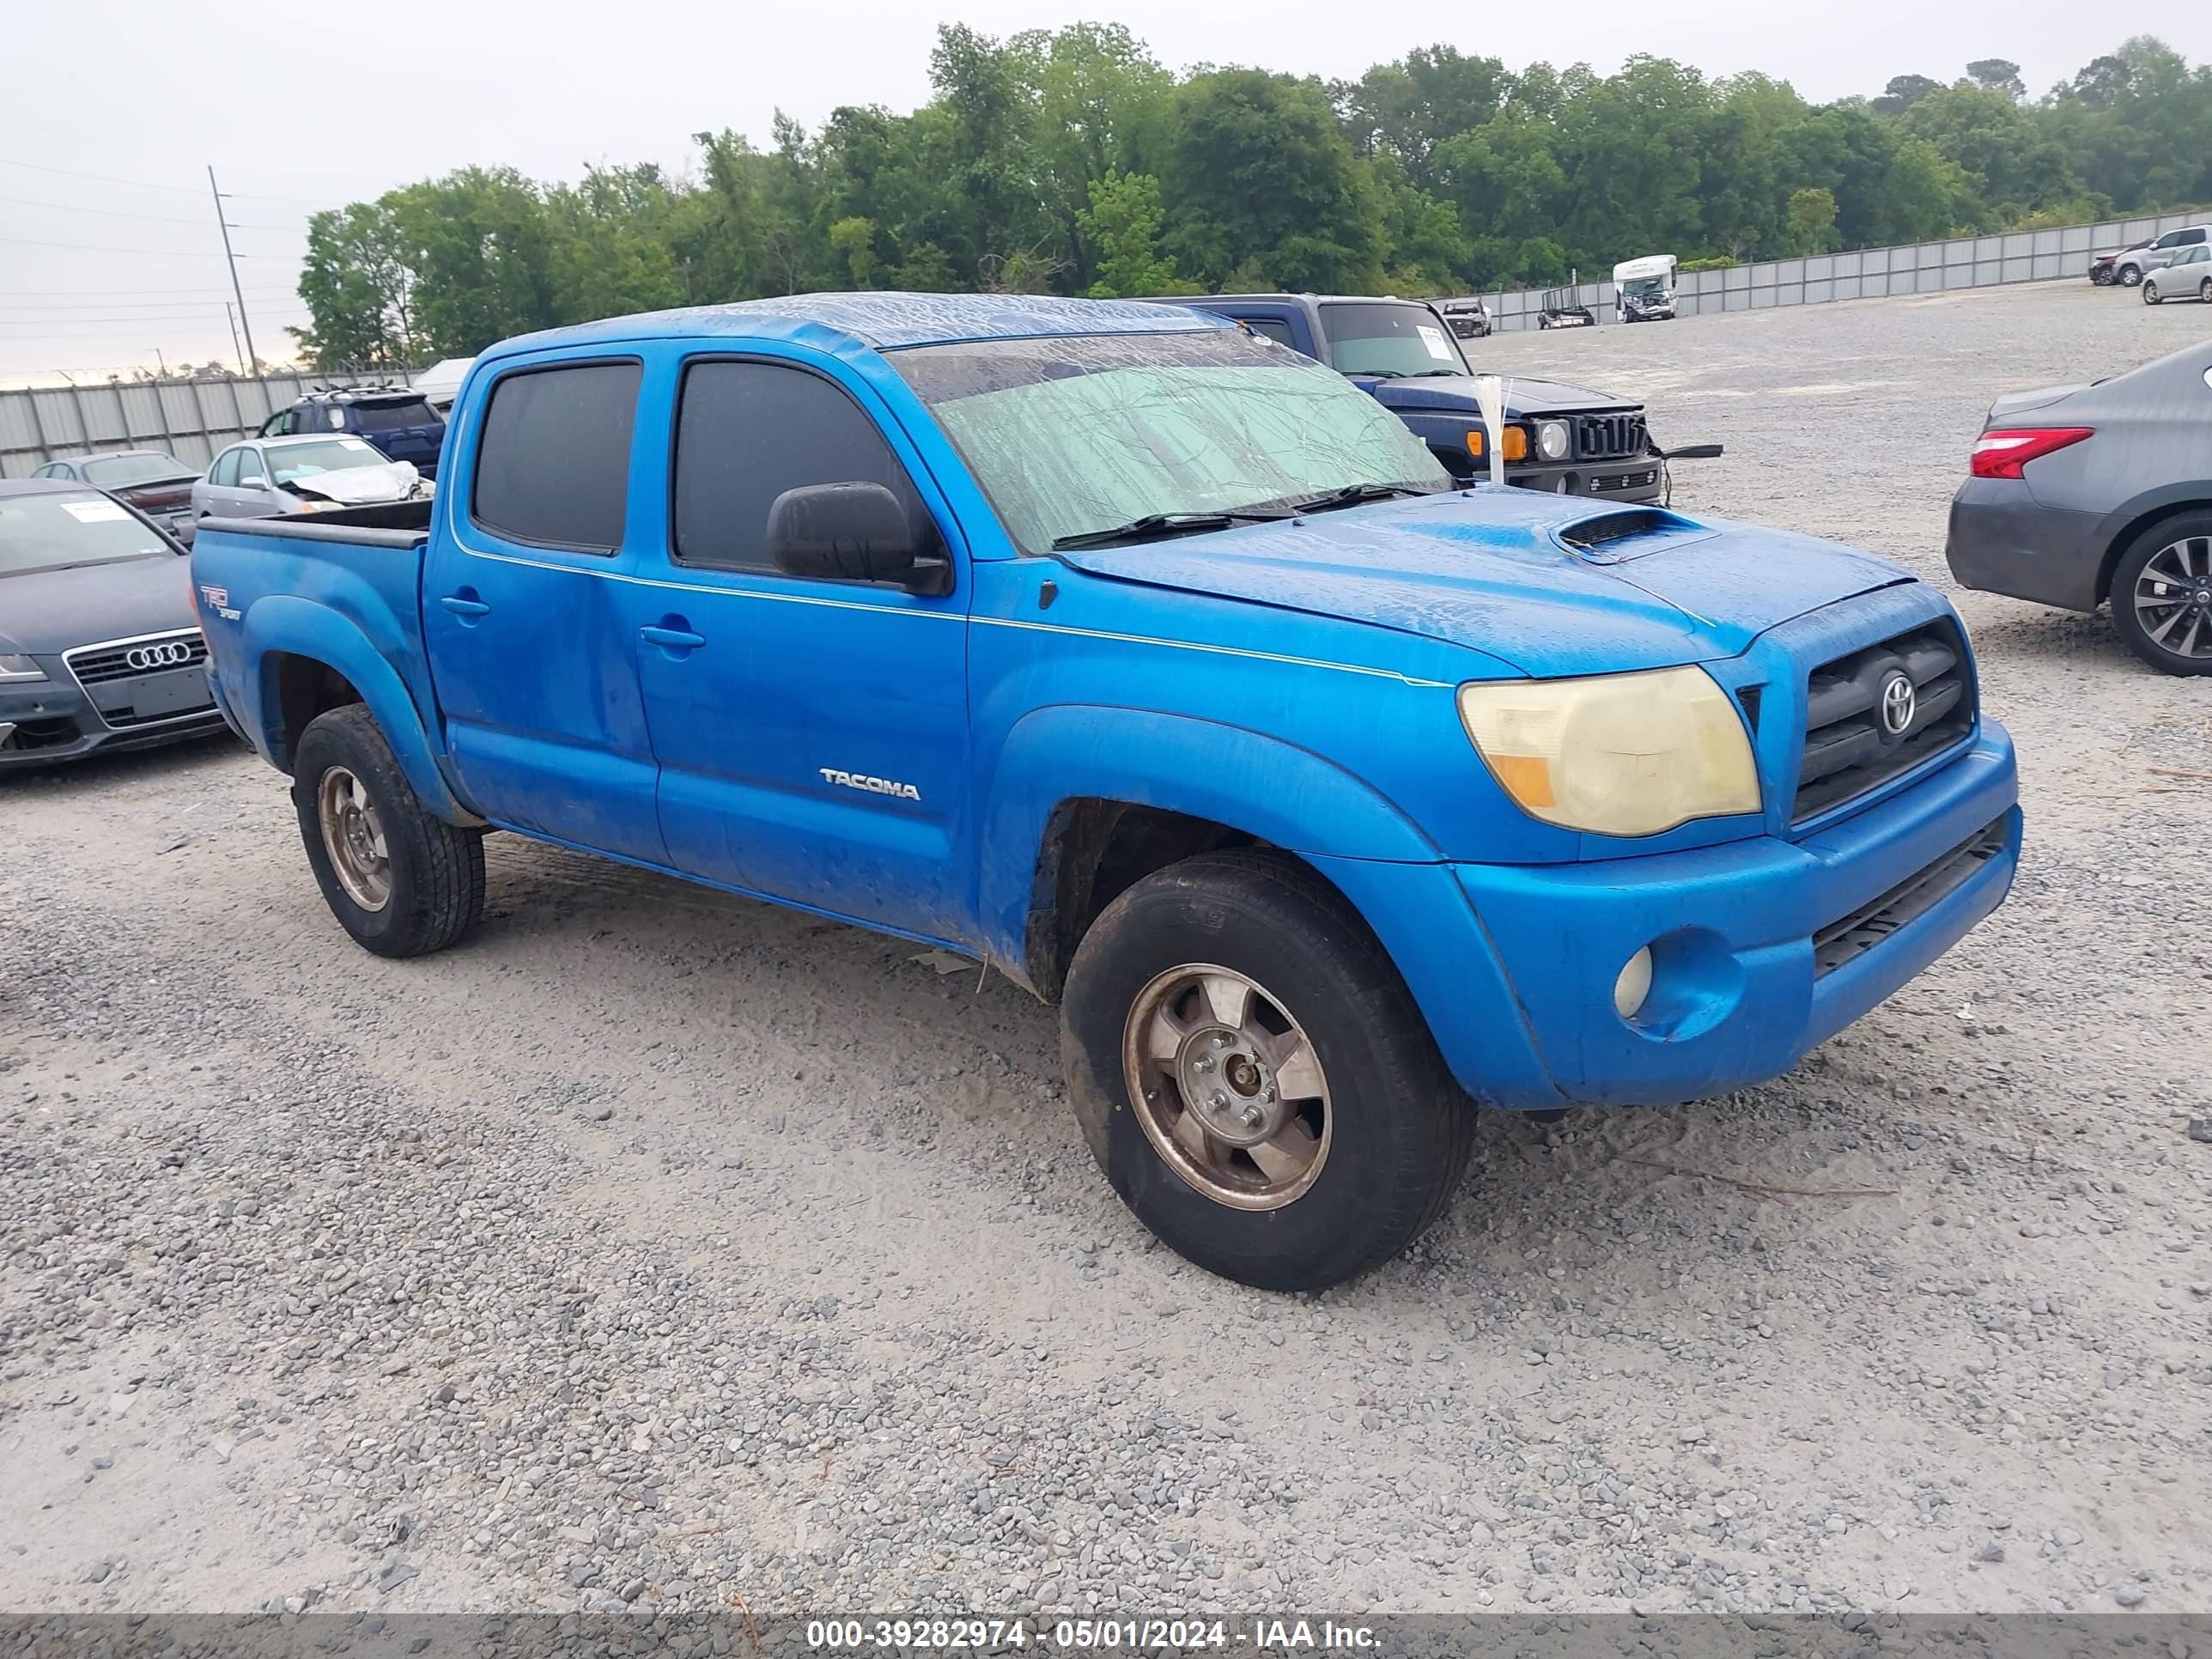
{"type": "Point", "coordinates": [400, 879]}
{"type": "Point", "coordinates": [1253, 1077]}
{"type": "Point", "coordinates": [2163, 595]}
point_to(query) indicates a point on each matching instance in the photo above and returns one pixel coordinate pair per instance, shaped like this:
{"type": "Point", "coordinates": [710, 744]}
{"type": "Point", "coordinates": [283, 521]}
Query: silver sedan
{"type": "Point", "coordinates": [264, 477]}
{"type": "Point", "coordinates": [2081, 494]}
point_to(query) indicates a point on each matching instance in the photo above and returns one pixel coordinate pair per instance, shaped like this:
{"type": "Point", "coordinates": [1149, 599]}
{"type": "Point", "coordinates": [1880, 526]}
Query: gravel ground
{"type": "Point", "coordinates": [656, 1247]}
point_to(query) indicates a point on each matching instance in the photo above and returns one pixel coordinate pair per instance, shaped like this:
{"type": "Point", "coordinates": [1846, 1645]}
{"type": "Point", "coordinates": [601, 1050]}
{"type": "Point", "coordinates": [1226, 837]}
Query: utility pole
{"type": "Point", "coordinates": [252, 359]}
{"type": "Point", "coordinates": [231, 317]}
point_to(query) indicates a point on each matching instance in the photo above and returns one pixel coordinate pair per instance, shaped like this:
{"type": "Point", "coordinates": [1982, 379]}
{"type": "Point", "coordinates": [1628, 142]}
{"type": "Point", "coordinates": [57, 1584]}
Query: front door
{"type": "Point", "coordinates": [528, 635]}
{"type": "Point", "coordinates": [812, 735]}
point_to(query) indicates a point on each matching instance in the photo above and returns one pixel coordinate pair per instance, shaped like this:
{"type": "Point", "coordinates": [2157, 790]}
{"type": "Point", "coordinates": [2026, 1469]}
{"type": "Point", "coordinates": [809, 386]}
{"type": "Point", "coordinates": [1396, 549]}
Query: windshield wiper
{"type": "Point", "coordinates": [1156, 526]}
{"type": "Point", "coordinates": [1354, 495]}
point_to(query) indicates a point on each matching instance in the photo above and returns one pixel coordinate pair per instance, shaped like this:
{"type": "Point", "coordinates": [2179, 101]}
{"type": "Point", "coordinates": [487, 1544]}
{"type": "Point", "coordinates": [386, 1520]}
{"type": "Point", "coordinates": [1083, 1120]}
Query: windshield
{"type": "Point", "coordinates": [1073, 436]}
{"type": "Point", "coordinates": [121, 471]}
{"type": "Point", "coordinates": [1380, 338]}
{"type": "Point", "coordinates": [1644, 288]}
{"type": "Point", "coordinates": [41, 532]}
{"type": "Point", "coordinates": [390, 417]}
{"type": "Point", "coordinates": [291, 461]}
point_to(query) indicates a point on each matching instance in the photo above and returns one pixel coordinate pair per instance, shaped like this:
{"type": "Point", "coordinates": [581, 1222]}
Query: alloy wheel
{"type": "Point", "coordinates": [2172, 597]}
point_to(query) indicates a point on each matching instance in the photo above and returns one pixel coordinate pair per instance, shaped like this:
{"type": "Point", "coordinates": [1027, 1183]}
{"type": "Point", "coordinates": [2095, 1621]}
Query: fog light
{"type": "Point", "coordinates": [1633, 985]}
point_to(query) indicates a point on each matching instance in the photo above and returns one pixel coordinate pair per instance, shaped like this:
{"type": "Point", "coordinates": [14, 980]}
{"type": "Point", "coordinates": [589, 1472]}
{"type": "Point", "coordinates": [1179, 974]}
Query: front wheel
{"type": "Point", "coordinates": [2130, 274]}
{"type": "Point", "coordinates": [2150, 294]}
{"type": "Point", "coordinates": [1253, 1077]}
{"type": "Point", "coordinates": [400, 879]}
{"type": "Point", "coordinates": [2101, 277]}
{"type": "Point", "coordinates": [2163, 595]}
{"type": "Point", "coordinates": [2204, 291]}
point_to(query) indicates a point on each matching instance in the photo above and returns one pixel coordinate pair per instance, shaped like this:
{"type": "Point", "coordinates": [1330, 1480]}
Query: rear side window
{"type": "Point", "coordinates": [390, 417]}
{"type": "Point", "coordinates": [553, 460]}
{"type": "Point", "coordinates": [225, 469]}
{"type": "Point", "coordinates": [1272, 328]}
{"type": "Point", "coordinates": [747, 432]}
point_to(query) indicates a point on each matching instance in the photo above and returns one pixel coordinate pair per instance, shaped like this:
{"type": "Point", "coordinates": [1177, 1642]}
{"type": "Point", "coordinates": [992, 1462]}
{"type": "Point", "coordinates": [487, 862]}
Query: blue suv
{"type": "Point", "coordinates": [398, 421]}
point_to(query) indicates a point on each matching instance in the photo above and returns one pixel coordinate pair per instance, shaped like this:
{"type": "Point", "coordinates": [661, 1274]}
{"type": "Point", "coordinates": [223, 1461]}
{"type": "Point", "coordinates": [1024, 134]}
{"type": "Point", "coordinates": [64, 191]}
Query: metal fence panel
{"type": "Point", "coordinates": [190, 419]}
{"type": "Point", "coordinates": [2051, 254]}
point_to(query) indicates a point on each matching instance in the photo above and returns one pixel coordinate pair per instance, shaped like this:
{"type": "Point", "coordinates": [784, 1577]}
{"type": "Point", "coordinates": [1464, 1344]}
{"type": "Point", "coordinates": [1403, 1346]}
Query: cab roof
{"type": "Point", "coordinates": [885, 322]}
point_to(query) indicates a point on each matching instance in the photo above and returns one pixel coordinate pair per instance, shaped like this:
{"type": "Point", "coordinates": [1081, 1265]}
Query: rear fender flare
{"type": "Point", "coordinates": [1273, 790]}
{"type": "Point", "coordinates": [284, 622]}
{"type": "Point", "coordinates": [2125, 522]}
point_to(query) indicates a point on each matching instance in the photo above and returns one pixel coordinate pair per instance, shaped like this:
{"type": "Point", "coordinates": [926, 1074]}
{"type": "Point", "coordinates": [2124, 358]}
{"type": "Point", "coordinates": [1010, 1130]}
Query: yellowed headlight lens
{"type": "Point", "coordinates": [1618, 754]}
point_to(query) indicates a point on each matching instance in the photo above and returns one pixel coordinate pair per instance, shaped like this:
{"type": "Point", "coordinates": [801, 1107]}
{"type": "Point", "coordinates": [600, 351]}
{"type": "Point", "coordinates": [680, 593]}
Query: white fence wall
{"type": "Point", "coordinates": [190, 419]}
{"type": "Point", "coordinates": [2020, 256]}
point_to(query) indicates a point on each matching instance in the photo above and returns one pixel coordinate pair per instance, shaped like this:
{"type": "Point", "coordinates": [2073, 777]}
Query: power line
{"type": "Point", "coordinates": [155, 218]}
{"type": "Point", "coordinates": [63, 313]}
{"type": "Point", "coordinates": [160, 252]}
{"type": "Point", "coordinates": [141, 184]}
{"type": "Point", "coordinates": [36, 299]}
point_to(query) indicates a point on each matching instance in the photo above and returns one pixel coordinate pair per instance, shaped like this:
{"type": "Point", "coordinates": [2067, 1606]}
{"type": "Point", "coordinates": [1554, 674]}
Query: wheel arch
{"type": "Point", "coordinates": [310, 659]}
{"type": "Point", "coordinates": [1090, 800]}
{"type": "Point", "coordinates": [2124, 524]}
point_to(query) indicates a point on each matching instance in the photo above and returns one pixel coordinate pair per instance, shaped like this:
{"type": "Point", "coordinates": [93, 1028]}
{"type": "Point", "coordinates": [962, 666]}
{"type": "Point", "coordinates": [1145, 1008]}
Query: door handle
{"type": "Point", "coordinates": [461, 607]}
{"type": "Point", "coordinates": [671, 639]}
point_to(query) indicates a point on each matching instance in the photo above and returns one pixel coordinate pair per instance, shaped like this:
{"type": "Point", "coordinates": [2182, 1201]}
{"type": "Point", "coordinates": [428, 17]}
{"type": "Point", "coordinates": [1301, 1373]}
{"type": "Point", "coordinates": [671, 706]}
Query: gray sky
{"type": "Point", "coordinates": [301, 105]}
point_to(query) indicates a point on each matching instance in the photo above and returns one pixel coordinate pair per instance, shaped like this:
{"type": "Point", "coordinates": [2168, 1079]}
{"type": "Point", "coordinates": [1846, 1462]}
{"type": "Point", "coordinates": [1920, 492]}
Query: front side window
{"type": "Point", "coordinates": [1391, 340]}
{"type": "Point", "coordinates": [747, 432]}
{"type": "Point", "coordinates": [249, 467]}
{"type": "Point", "coordinates": [1071, 436]}
{"type": "Point", "coordinates": [553, 459]}
{"type": "Point", "coordinates": [68, 528]}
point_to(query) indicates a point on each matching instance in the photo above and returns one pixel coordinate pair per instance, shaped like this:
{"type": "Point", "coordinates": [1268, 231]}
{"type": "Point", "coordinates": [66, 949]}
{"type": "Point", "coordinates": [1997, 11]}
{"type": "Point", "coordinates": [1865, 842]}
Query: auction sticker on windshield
{"type": "Point", "coordinates": [93, 512]}
{"type": "Point", "coordinates": [1434, 339]}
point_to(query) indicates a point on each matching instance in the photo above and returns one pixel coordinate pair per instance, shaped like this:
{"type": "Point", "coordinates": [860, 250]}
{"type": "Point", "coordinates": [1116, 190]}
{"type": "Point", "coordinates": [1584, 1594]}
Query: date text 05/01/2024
{"type": "Point", "coordinates": [1089, 1635]}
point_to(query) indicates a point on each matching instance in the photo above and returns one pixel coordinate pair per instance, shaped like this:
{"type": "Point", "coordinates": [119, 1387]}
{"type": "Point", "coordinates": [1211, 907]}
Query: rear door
{"type": "Point", "coordinates": [812, 735]}
{"type": "Point", "coordinates": [530, 640]}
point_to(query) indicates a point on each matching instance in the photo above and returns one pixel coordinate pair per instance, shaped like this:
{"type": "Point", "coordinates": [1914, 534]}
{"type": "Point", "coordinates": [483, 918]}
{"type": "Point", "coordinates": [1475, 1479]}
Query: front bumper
{"type": "Point", "coordinates": [45, 722]}
{"type": "Point", "coordinates": [1637, 479]}
{"type": "Point", "coordinates": [2003, 540]}
{"type": "Point", "coordinates": [1763, 948]}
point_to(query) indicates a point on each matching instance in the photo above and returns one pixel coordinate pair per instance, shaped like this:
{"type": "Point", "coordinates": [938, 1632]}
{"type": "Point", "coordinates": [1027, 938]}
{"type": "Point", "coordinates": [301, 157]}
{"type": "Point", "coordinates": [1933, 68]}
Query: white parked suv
{"type": "Point", "coordinates": [2129, 267]}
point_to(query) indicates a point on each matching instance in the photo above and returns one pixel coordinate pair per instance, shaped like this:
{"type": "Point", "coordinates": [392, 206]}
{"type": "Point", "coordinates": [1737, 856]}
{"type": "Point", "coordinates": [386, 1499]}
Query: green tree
{"type": "Point", "coordinates": [1122, 227]}
{"type": "Point", "coordinates": [1812, 222]}
{"type": "Point", "coordinates": [1258, 174]}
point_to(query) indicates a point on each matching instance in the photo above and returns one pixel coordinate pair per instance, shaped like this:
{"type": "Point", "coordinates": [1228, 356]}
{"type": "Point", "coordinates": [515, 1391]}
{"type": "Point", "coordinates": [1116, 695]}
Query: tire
{"type": "Point", "coordinates": [2204, 292]}
{"type": "Point", "coordinates": [2150, 294]}
{"type": "Point", "coordinates": [2192, 534]}
{"type": "Point", "coordinates": [2130, 276]}
{"type": "Point", "coordinates": [1392, 1129]}
{"type": "Point", "coordinates": [2101, 277]}
{"type": "Point", "coordinates": [432, 872]}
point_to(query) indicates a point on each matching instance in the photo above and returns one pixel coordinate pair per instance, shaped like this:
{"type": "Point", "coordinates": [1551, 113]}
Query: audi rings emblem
{"type": "Point", "coordinates": [1900, 702]}
{"type": "Point", "coordinates": [170, 654]}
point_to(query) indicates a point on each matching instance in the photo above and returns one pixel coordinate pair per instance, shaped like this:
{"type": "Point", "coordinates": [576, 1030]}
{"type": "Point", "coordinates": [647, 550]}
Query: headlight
{"type": "Point", "coordinates": [1616, 754]}
{"type": "Point", "coordinates": [1551, 439]}
{"type": "Point", "coordinates": [20, 668]}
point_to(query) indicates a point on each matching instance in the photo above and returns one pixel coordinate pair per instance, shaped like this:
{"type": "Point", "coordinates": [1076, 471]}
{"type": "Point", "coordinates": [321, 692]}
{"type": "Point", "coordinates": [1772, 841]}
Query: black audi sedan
{"type": "Point", "coordinates": [100, 646]}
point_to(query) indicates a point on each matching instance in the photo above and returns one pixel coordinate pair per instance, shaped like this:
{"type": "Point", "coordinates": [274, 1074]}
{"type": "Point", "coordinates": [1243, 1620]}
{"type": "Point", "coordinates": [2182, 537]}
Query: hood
{"type": "Point", "coordinates": [1483, 568]}
{"type": "Point", "coordinates": [1453, 394]}
{"type": "Point", "coordinates": [358, 486]}
{"type": "Point", "coordinates": [49, 612]}
{"type": "Point", "coordinates": [2020, 402]}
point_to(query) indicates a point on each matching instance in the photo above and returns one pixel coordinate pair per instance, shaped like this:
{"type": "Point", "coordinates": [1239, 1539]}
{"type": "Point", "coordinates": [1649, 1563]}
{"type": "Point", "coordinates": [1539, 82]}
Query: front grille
{"type": "Point", "coordinates": [1608, 437]}
{"type": "Point", "coordinates": [1848, 747]}
{"type": "Point", "coordinates": [1849, 938]}
{"type": "Point", "coordinates": [127, 716]}
{"type": "Point", "coordinates": [96, 665]}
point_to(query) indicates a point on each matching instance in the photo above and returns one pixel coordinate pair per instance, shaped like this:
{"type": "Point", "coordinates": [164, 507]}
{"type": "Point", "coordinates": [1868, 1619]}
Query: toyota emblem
{"type": "Point", "coordinates": [1900, 702]}
{"type": "Point", "coordinates": [170, 654]}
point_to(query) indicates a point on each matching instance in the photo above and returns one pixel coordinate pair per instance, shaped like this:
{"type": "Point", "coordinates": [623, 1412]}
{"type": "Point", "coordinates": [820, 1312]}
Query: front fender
{"type": "Point", "coordinates": [285, 623]}
{"type": "Point", "coordinates": [1274, 790]}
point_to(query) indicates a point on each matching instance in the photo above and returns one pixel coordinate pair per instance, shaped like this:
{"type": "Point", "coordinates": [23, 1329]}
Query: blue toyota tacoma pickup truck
{"type": "Point", "coordinates": [1159, 667]}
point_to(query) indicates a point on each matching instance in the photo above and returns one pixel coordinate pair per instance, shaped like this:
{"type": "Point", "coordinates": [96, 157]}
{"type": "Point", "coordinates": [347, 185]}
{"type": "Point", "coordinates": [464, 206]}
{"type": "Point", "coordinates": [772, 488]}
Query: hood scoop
{"type": "Point", "coordinates": [1628, 532]}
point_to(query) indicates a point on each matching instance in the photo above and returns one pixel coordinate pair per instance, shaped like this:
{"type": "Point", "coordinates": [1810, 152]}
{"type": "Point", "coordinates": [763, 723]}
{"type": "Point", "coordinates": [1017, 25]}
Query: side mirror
{"type": "Point", "coordinates": [852, 532]}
